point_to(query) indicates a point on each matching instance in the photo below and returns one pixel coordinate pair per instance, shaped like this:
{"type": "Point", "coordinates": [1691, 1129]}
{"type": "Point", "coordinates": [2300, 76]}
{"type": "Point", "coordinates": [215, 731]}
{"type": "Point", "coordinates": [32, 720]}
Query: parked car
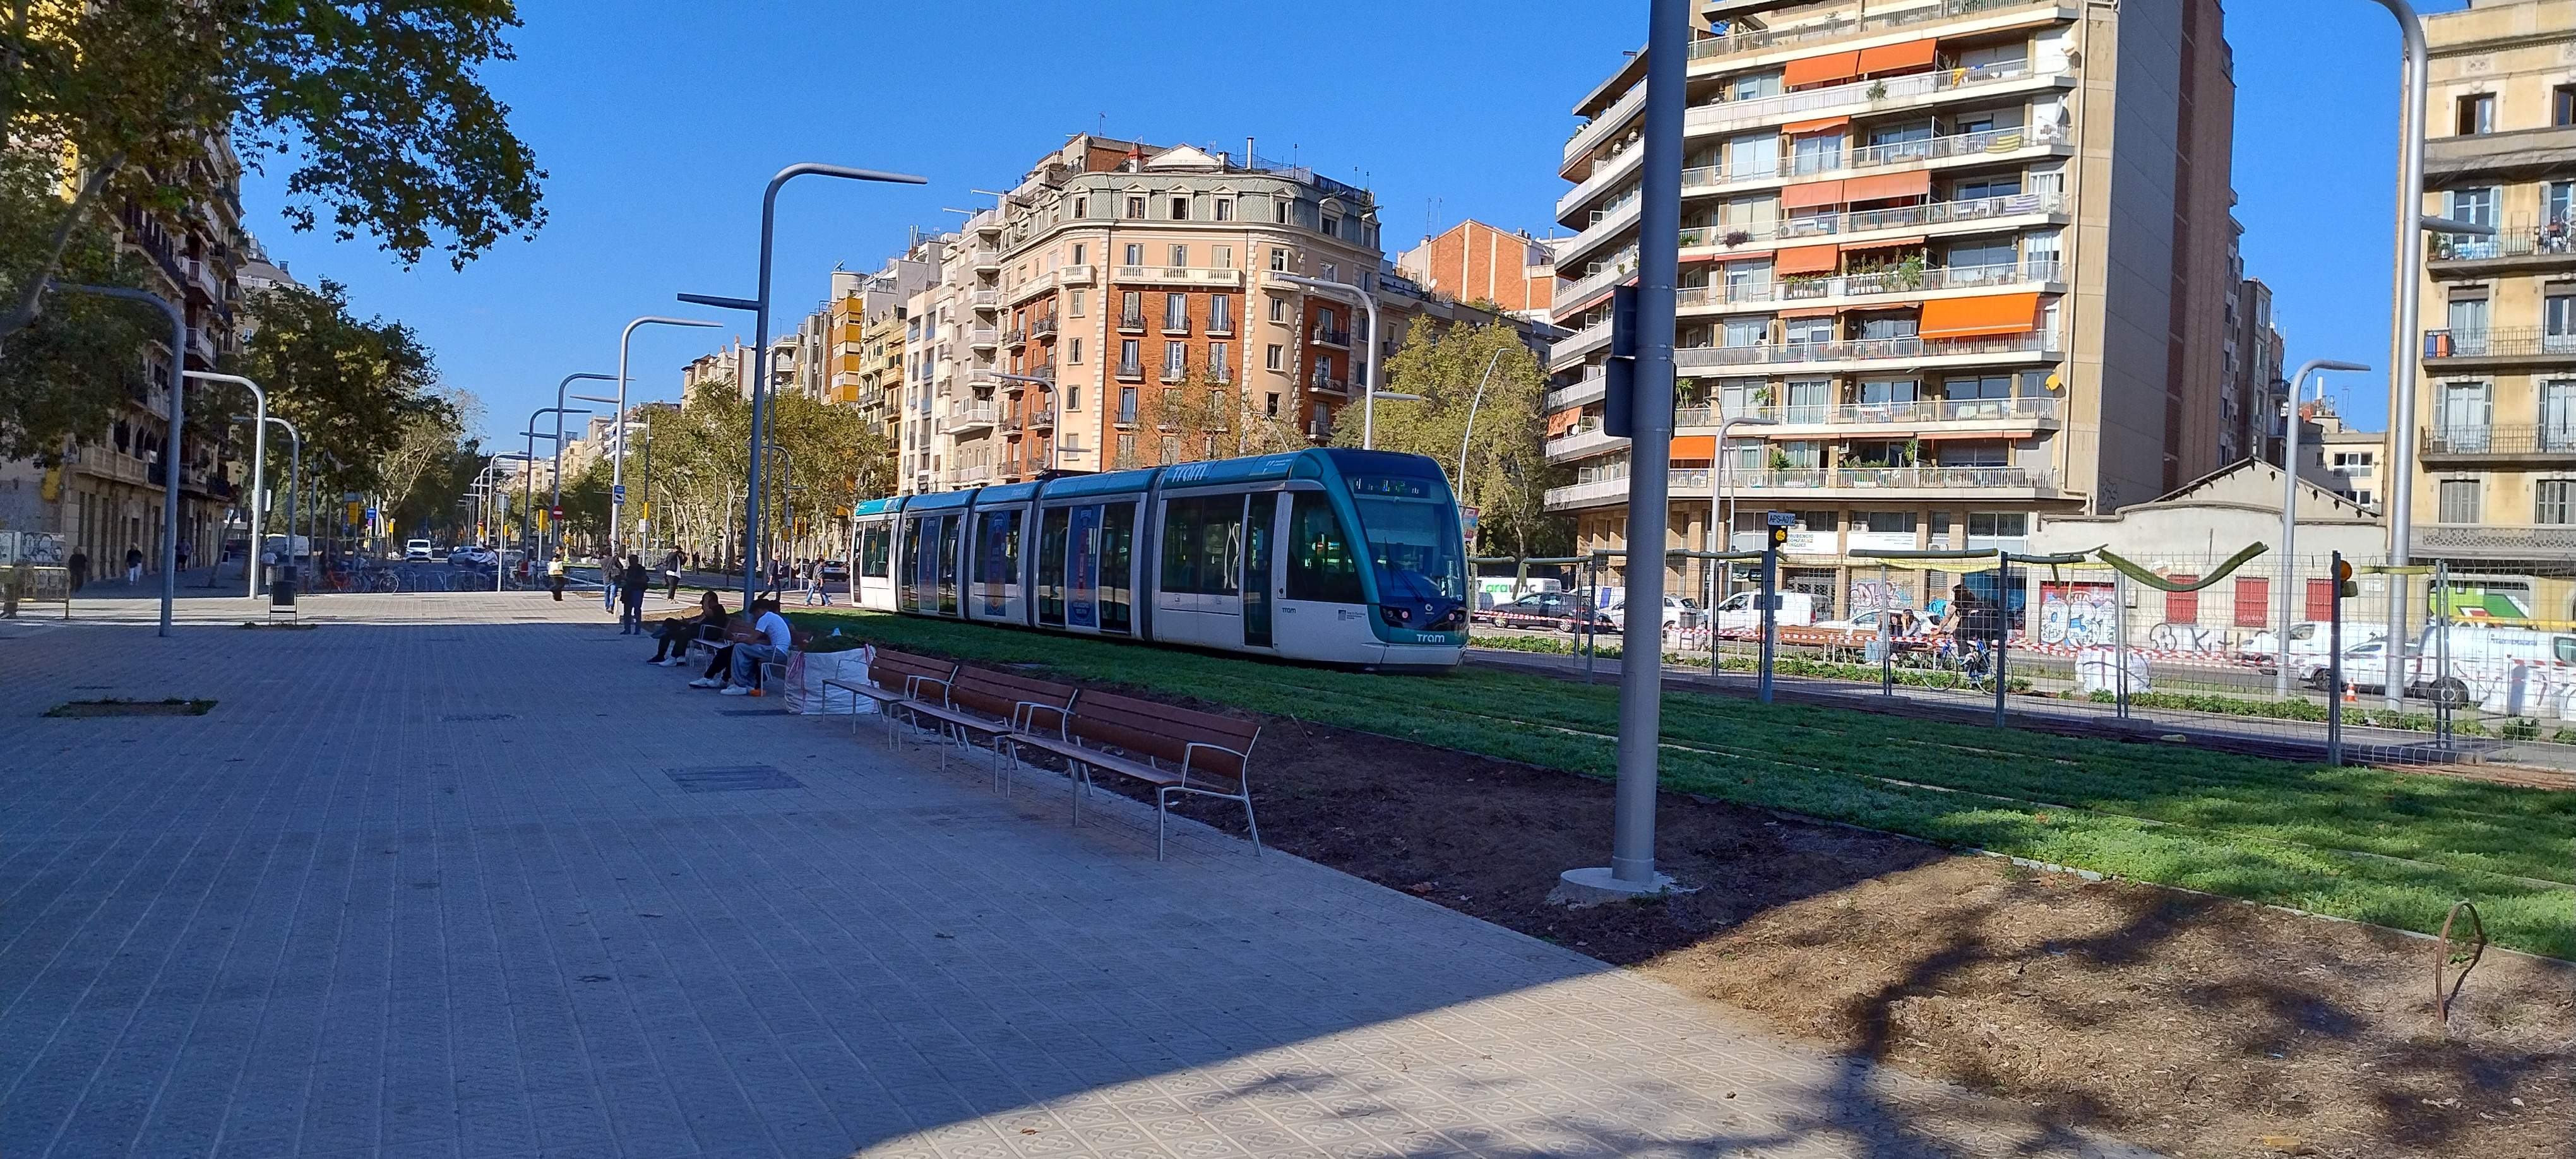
{"type": "Point", "coordinates": [835, 571]}
{"type": "Point", "coordinates": [2483, 662]}
{"type": "Point", "coordinates": [416, 549]}
{"type": "Point", "coordinates": [1556, 611]}
{"type": "Point", "coordinates": [1743, 610]}
{"type": "Point", "coordinates": [1679, 612]}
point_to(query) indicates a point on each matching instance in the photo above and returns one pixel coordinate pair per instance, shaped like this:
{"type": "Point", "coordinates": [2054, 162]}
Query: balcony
{"type": "Point", "coordinates": [984, 260]}
{"type": "Point", "coordinates": [1584, 440]}
{"type": "Point", "coordinates": [1606, 173]}
{"type": "Point", "coordinates": [2521, 153]}
{"type": "Point", "coordinates": [1131, 371]}
{"type": "Point", "coordinates": [1043, 327]}
{"type": "Point", "coordinates": [1569, 351]}
{"type": "Point", "coordinates": [2544, 541]}
{"type": "Point", "coordinates": [1612, 272]}
{"type": "Point", "coordinates": [984, 299]}
{"type": "Point", "coordinates": [1603, 227]}
{"type": "Point", "coordinates": [1327, 384]}
{"type": "Point", "coordinates": [1176, 327]}
{"type": "Point", "coordinates": [1015, 337]}
{"type": "Point", "coordinates": [1131, 323]}
{"type": "Point", "coordinates": [1851, 28]}
{"type": "Point", "coordinates": [2498, 347]}
{"type": "Point", "coordinates": [202, 281]}
{"type": "Point", "coordinates": [1591, 134]}
{"type": "Point", "coordinates": [204, 346]}
{"type": "Point", "coordinates": [1864, 96]}
{"type": "Point", "coordinates": [1861, 420]}
{"type": "Point", "coordinates": [1228, 277]}
{"type": "Point", "coordinates": [1042, 419]}
{"type": "Point", "coordinates": [1824, 290]}
{"type": "Point", "coordinates": [1989, 145]}
{"type": "Point", "coordinates": [1329, 336]}
{"type": "Point", "coordinates": [969, 416]}
{"type": "Point", "coordinates": [1609, 485]}
{"type": "Point", "coordinates": [1978, 213]}
{"type": "Point", "coordinates": [2497, 444]}
{"type": "Point", "coordinates": [2520, 245]}
{"type": "Point", "coordinates": [1073, 276]}
{"type": "Point", "coordinates": [1860, 353]}
{"type": "Point", "coordinates": [1028, 289]}
{"type": "Point", "coordinates": [983, 337]}
{"type": "Point", "coordinates": [975, 476]}
{"type": "Point", "coordinates": [1590, 388]}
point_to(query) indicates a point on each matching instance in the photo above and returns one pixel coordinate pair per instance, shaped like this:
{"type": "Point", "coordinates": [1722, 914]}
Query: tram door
{"type": "Point", "coordinates": [1257, 528]}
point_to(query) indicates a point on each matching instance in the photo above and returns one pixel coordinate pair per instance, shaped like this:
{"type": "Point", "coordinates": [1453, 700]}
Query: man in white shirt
{"type": "Point", "coordinates": [772, 640]}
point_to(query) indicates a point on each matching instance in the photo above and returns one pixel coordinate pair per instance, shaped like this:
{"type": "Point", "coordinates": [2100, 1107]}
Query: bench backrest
{"type": "Point", "coordinates": [999, 694]}
{"type": "Point", "coordinates": [1165, 732]}
{"type": "Point", "coordinates": [892, 670]}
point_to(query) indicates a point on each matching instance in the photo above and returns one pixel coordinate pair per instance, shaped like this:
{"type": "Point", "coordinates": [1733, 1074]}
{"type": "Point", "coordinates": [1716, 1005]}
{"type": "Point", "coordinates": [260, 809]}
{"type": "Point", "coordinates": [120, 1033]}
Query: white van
{"type": "Point", "coordinates": [1744, 610]}
{"type": "Point", "coordinates": [2482, 662]}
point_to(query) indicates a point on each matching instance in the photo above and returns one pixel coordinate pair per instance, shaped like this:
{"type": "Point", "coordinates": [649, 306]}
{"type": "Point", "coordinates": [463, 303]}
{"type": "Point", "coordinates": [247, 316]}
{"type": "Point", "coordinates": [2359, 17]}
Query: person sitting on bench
{"type": "Point", "coordinates": [671, 638]}
{"type": "Point", "coordinates": [770, 639]}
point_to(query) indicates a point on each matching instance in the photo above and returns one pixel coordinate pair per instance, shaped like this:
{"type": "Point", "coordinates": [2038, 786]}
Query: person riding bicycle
{"type": "Point", "coordinates": [1974, 627]}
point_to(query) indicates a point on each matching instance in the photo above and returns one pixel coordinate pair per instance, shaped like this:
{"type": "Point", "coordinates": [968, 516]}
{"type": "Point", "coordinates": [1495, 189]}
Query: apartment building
{"type": "Point", "coordinates": [730, 366]}
{"type": "Point", "coordinates": [2337, 457]}
{"type": "Point", "coordinates": [1961, 280]}
{"type": "Point", "coordinates": [102, 493]}
{"type": "Point", "coordinates": [2495, 419]}
{"type": "Point", "coordinates": [1475, 262]}
{"type": "Point", "coordinates": [2253, 388]}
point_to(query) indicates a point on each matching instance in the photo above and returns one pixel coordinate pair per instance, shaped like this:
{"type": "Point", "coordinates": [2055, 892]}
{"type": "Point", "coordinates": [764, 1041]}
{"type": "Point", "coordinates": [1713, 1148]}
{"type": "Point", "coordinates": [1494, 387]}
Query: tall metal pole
{"type": "Point", "coordinates": [617, 461]}
{"type": "Point", "coordinates": [294, 471]}
{"type": "Point", "coordinates": [2402, 364]}
{"type": "Point", "coordinates": [1464, 439]}
{"type": "Point", "coordinates": [258, 468]}
{"type": "Point", "coordinates": [1632, 844]}
{"type": "Point", "coordinates": [176, 420]}
{"type": "Point", "coordinates": [2290, 507]}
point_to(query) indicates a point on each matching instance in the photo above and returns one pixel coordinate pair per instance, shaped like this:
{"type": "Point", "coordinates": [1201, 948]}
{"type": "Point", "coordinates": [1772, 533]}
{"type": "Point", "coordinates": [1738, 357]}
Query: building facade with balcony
{"type": "Point", "coordinates": [2495, 422]}
{"type": "Point", "coordinates": [102, 493]}
{"type": "Point", "coordinates": [2254, 391]}
{"type": "Point", "coordinates": [1956, 278]}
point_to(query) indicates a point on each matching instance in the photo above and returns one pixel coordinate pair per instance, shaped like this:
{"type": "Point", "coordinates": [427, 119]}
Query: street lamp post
{"type": "Point", "coordinates": [1721, 512]}
{"type": "Point", "coordinates": [1470, 436]}
{"type": "Point", "coordinates": [2290, 507]}
{"type": "Point", "coordinates": [528, 480]}
{"type": "Point", "coordinates": [759, 309]}
{"type": "Point", "coordinates": [258, 471]}
{"type": "Point", "coordinates": [568, 380]}
{"type": "Point", "coordinates": [617, 461]}
{"type": "Point", "coordinates": [789, 468]}
{"type": "Point", "coordinates": [527, 461]}
{"type": "Point", "coordinates": [294, 467]}
{"type": "Point", "coordinates": [177, 423]}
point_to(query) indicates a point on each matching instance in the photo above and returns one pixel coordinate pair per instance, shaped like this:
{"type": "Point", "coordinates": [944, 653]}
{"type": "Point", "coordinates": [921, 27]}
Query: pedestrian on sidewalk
{"type": "Point", "coordinates": [183, 556]}
{"type": "Point", "coordinates": [134, 565]}
{"type": "Point", "coordinates": [555, 575]}
{"type": "Point", "coordinates": [671, 575]}
{"type": "Point", "coordinates": [79, 569]}
{"type": "Point", "coordinates": [631, 585]}
{"type": "Point", "coordinates": [771, 639]}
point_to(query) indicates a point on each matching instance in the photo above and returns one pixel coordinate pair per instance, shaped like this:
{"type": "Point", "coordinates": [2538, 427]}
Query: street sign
{"type": "Point", "coordinates": [1782, 519]}
{"type": "Point", "coordinates": [617, 492]}
{"type": "Point", "coordinates": [557, 512]}
{"type": "Point", "coordinates": [371, 515]}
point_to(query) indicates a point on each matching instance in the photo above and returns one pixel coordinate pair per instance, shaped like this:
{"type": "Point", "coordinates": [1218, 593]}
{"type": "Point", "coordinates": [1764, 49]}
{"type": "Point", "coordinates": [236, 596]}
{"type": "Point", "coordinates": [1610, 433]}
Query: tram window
{"type": "Point", "coordinates": [876, 545]}
{"type": "Point", "coordinates": [1320, 564]}
{"type": "Point", "coordinates": [948, 528]}
{"type": "Point", "coordinates": [997, 559]}
{"type": "Point", "coordinates": [917, 566]}
{"type": "Point", "coordinates": [1220, 551]}
{"type": "Point", "coordinates": [1181, 519]}
{"type": "Point", "coordinates": [1117, 563]}
{"type": "Point", "coordinates": [1051, 566]}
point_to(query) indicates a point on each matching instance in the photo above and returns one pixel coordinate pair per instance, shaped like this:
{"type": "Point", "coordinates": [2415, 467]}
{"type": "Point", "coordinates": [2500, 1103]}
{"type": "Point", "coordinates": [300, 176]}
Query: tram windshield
{"type": "Point", "coordinates": [1416, 548]}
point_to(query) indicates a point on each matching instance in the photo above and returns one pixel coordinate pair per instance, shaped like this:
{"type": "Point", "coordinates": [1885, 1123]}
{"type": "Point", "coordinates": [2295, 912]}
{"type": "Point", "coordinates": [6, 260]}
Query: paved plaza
{"type": "Point", "coordinates": [457, 876]}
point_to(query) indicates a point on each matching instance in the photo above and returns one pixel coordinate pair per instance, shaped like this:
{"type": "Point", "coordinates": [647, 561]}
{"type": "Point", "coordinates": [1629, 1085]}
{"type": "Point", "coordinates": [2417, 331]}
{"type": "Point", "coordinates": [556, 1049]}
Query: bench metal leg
{"type": "Point", "coordinates": [1248, 822]}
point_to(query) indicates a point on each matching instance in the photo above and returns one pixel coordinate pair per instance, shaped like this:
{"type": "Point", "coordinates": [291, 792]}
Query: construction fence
{"type": "Point", "coordinates": [2239, 642]}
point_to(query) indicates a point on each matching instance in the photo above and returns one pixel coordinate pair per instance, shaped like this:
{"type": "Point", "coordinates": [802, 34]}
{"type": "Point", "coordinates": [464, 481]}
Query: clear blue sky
{"type": "Point", "coordinates": [659, 121]}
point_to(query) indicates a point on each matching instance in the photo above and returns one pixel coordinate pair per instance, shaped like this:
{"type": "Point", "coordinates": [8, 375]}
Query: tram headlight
{"type": "Point", "coordinates": [1395, 617]}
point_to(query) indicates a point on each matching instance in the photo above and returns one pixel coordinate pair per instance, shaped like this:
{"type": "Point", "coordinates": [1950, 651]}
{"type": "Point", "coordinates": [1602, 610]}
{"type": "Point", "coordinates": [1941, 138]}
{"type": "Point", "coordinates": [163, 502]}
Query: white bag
{"type": "Point", "coordinates": [806, 673]}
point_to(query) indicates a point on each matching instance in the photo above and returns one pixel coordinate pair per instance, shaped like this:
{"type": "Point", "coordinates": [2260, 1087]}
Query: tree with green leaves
{"type": "Point", "coordinates": [378, 105]}
{"type": "Point", "coordinates": [64, 381]}
{"type": "Point", "coordinates": [1506, 474]}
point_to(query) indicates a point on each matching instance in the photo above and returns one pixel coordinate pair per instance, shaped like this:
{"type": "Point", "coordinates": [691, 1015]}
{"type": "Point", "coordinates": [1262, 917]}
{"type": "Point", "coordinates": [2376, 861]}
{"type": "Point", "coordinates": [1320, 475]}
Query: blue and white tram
{"type": "Point", "coordinates": [1338, 556]}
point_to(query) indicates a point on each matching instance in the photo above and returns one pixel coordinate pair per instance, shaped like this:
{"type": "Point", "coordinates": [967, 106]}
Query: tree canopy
{"type": "Point", "coordinates": [356, 390]}
{"type": "Point", "coordinates": [1506, 472]}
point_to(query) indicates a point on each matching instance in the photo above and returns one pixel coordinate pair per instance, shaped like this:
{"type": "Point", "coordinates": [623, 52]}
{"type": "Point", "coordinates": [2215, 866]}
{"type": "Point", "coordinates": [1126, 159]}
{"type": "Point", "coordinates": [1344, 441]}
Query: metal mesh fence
{"type": "Point", "coordinates": [2484, 673]}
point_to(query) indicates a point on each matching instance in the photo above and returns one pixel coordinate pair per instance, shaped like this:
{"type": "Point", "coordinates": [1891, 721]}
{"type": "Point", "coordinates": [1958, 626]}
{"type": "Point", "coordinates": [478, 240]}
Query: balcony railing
{"type": "Point", "coordinates": [1176, 326]}
{"type": "Point", "coordinates": [1332, 337]}
{"type": "Point", "coordinates": [1858, 350]}
{"type": "Point", "coordinates": [1938, 213]}
{"type": "Point", "coordinates": [1894, 281]}
{"type": "Point", "coordinates": [1589, 135]}
{"type": "Point", "coordinates": [1132, 322]}
{"type": "Point", "coordinates": [1617, 269]}
{"type": "Point", "coordinates": [1847, 27]}
{"type": "Point", "coordinates": [1189, 275]}
{"type": "Point", "coordinates": [982, 336]}
{"type": "Point", "coordinates": [969, 416]}
{"type": "Point", "coordinates": [1926, 410]}
{"type": "Point", "coordinates": [2497, 342]}
{"type": "Point", "coordinates": [1819, 166]}
{"type": "Point", "coordinates": [2521, 239]}
{"type": "Point", "coordinates": [2525, 439]}
{"type": "Point", "coordinates": [984, 299]}
{"type": "Point", "coordinates": [1042, 327]}
{"type": "Point", "coordinates": [1610, 482]}
{"type": "Point", "coordinates": [1329, 384]}
{"type": "Point", "coordinates": [2522, 541]}
{"type": "Point", "coordinates": [1606, 172]}
{"type": "Point", "coordinates": [1131, 370]}
{"type": "Point", "coordinates": [1726, 114]}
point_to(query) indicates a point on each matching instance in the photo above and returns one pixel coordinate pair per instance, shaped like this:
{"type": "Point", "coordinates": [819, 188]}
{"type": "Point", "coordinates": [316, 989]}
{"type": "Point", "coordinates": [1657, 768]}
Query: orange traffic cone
{"type": "Point", "coordinates": [2349, 697]}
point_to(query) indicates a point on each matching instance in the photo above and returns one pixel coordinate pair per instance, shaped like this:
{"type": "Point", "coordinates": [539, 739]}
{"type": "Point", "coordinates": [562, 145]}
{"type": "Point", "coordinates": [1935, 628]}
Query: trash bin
{"type": "Point", "coordinates": [281, 587]}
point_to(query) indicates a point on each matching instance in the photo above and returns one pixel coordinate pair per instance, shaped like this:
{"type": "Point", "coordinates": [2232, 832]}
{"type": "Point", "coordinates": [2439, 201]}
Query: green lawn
{"type": "Point", "coordinates": [2391, 848]}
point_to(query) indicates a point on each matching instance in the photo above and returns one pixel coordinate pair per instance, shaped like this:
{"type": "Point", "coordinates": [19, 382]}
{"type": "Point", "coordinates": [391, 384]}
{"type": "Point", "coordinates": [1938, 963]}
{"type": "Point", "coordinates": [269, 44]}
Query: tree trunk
{"type": "Point", "coordinates": [31, 296]}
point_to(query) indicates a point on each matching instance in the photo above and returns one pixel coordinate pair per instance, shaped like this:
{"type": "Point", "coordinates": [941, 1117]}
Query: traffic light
{"type": "Point", "coordinates": [1779, 537]}
{"type": "Point", "coordinates": [2345, 587]}
{"type": "Point", "coordinates": [1619, 372]}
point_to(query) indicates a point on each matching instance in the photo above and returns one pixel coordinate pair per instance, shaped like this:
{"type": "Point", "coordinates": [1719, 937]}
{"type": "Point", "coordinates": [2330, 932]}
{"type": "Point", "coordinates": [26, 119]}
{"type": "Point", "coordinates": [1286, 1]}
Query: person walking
{"type": "Point", "coordinates": [134, 565]}
{"type": "Point", "coordinates": [183, 557]}
{"type": "Point", "coordinates": [671, 575]}
{"type": "Point", "coordinates": [555, 575]}
{"type": "Point", "coordinates": [631, 585]}
{"type": "Point", "coordinates": [79, 569]}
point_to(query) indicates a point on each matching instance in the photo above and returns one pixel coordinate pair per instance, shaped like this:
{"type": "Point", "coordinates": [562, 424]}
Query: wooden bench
{"type": "Point", "coordinates": [895, 678]}
{"type": "Point", "coordinates": [1183, 751]}
{"type": "Point", "coordinates": [981, 702]}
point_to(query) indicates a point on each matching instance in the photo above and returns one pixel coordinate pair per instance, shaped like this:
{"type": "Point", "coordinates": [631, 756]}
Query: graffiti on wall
{"type": "Point", "coordinates": [2076, 614]}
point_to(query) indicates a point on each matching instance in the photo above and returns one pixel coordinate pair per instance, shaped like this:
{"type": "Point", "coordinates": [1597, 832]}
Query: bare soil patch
{"type": "Point", "coordinates": [2194, 1025]}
